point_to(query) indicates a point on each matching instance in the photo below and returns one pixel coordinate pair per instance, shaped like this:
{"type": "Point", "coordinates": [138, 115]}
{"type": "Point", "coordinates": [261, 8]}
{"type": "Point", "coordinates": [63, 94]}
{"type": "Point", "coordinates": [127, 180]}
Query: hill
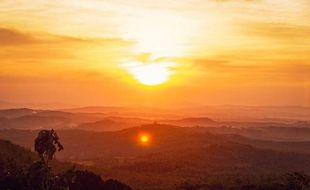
{"type": "Point", "coordinates": [83, 145]}
{"type": "Point", "coordinates": [21, 170]}
{"type": "Point", "coordinates": [175, 154]}
{"type": "Point", "coordinates": [43, 119]}
{"type": "Point", "coordinates": [13, 113]}
{"type": "Point", "coordinates": [14, 159]}
{"type": "Point", "coordinates": [265, 129]}
{"type": "Point", "coordinates": [229, 161]}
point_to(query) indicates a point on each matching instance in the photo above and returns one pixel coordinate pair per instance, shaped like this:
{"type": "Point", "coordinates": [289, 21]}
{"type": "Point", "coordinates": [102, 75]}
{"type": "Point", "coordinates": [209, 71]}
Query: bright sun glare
{"type": "Point", "coordinates": [144, 138]}
{"type": "Point", "coordinates": [151, 74]}
{"type": "Point", "coordinates": [160, 35]}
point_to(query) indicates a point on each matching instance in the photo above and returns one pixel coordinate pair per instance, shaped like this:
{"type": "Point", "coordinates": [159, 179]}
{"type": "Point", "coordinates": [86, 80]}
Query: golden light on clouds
{"type": "Point", "coordinates": [205, 52]}
{"type": "Point", "coordinates": [151, 74]}
{"type": "Point", "coordinates": [159, 33]}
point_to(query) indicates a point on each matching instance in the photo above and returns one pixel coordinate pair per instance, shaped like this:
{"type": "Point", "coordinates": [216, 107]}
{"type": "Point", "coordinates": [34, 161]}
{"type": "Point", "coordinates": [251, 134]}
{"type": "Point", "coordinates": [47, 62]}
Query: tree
{"type": "Point", "coordinates": [40, 176]}
{"type": "Point", "coordinates": [46, 143]}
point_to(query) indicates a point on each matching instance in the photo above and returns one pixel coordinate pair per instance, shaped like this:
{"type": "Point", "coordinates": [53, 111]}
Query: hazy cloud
{"type": "Point", "coordinates": [14, 37]}
{"type": "Point", "coordinates": [235, 0]}
{"type": "Point", "coordinates": [45, 47]}
{"type": "Point", "coordinates": [221, 65]}
{"type": "Point", "coordinates": [279, 31]}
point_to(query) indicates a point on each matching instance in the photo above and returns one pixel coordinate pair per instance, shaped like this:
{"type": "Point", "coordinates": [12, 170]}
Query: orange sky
{"type": "Point", "coordinates": [90, 52]}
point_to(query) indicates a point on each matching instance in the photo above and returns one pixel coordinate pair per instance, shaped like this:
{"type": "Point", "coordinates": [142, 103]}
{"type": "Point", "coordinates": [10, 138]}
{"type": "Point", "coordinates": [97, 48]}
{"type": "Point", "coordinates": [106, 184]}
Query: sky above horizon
{"type": "Point", "coordinates": [209, 52]}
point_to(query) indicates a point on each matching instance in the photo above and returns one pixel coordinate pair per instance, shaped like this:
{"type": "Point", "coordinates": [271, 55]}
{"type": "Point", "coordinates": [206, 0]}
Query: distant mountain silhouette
{"type": "Point", "coordinates": [175, 154]}
{"type": "Point", "coordinates": [103, 125]}
{"type": "Point", "coordinates": [192, 121]}
{"type": "Point", "coordinates": [13, 113]}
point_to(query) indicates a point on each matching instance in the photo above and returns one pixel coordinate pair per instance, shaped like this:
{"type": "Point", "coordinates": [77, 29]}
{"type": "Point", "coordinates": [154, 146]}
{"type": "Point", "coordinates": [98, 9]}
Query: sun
{"type": "Point", "coordinates": [151, 74]}
{"type": "Point", "coordinates": [144, 138]}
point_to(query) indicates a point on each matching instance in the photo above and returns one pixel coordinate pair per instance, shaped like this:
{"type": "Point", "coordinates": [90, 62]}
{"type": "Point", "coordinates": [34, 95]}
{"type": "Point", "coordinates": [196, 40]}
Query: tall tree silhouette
{"type": "Point", "coordinates": [46, 144]}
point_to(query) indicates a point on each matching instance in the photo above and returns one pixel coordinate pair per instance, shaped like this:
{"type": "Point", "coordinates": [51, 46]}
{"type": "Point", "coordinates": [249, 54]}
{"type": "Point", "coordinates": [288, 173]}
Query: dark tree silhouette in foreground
{"type": "Point", "coordinates": [40, 175]}
{"type": "Point", "coordinates": [46, 144]}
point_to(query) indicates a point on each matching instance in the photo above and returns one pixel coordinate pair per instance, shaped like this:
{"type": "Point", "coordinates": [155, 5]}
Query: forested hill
{"type": "Point", "coordinates": [14, 159]}
{"type": "Point", "coordinates": [20, 169]}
